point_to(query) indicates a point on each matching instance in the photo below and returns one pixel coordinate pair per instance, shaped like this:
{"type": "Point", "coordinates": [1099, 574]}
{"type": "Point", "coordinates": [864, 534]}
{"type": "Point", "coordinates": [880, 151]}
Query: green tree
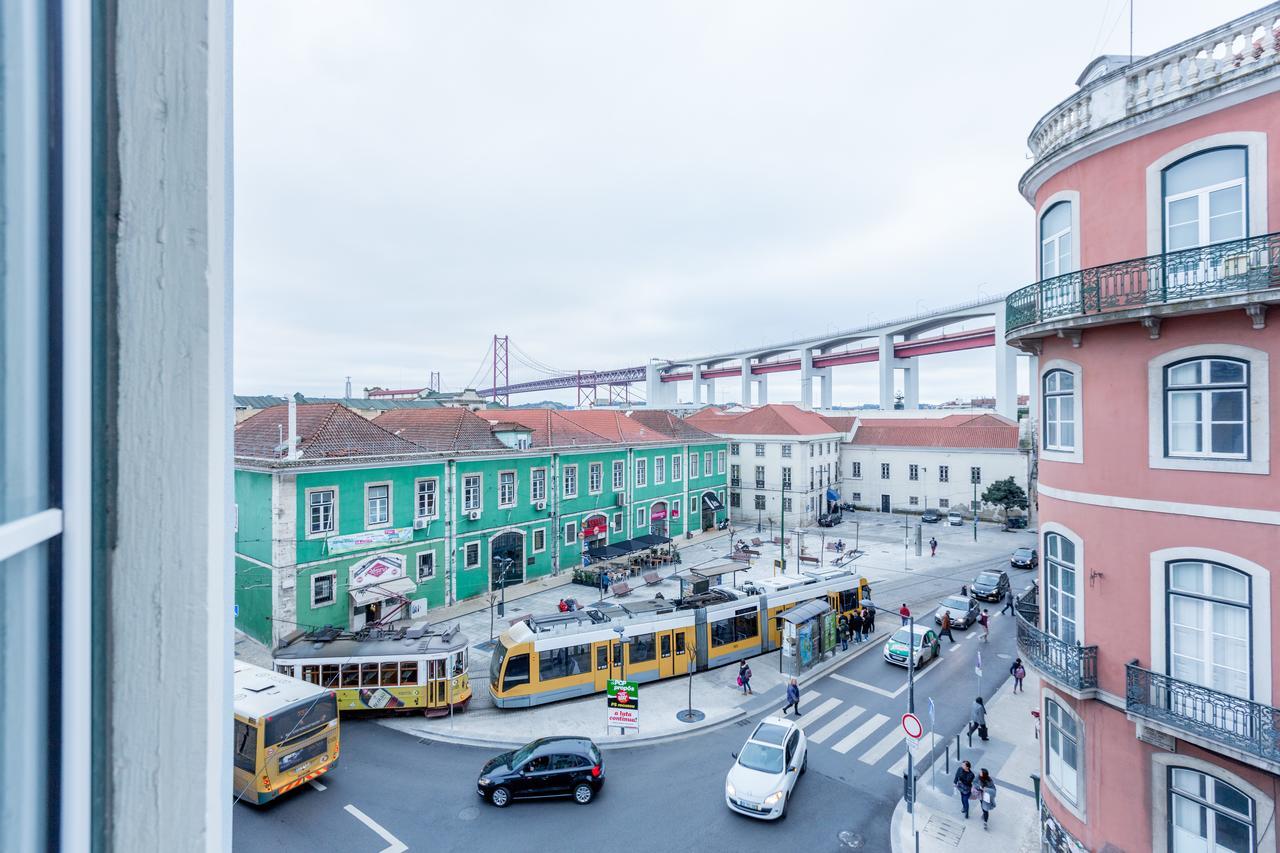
{"type": "Point", "coordinates": [1007, 494]}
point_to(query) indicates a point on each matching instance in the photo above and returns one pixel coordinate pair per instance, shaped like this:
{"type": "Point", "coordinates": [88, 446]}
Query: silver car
{"type": "Point", "coordinates": [964, 611]}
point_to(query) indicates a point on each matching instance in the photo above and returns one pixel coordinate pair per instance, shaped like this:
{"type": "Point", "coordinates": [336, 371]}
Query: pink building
{"type": "Point", "coordinates": [1156, 188]}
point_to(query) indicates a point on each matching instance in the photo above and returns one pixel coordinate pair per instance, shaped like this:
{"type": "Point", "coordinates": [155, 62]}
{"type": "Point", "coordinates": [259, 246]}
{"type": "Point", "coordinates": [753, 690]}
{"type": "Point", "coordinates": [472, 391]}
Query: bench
{"type": "Point", "coordinates": [750, 551]}
{"type": "Point", "coordinates": [777, 541]}
{"type": "Point", "coordinates": [651, 578]}
{"type": "Point", "coordinates": [620, 589]}
{"type": "Point", "coordinates": [805, 558]}
{"type": "Point", "coordinates": [756, 542]}
{"type": "Point", "coordinates": [740, 557]}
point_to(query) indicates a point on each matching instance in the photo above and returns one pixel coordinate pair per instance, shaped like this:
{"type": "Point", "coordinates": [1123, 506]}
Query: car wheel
{"type": "Point", "coordinates": [804, 765]}
{"type": "Point", "coordinates": [583, 793]}
{"type": "Point", "coordinates": [782, 815]}
{"type": "Point", "coordinates": [500, 797]}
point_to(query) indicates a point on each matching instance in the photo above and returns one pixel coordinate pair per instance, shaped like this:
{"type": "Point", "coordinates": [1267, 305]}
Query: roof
{"type": "Point", "coordinates": [667, 423]}
{"type": "Point", "coordinates": [325, 430]}
{"type": "Point", "coordinates": [843, 423]}
{"type": "Point", "coordinates": [980, 431]}
{"type": "Point", "coordinates": [260, 691]}
{"type": "Point", "coordinates": [550, 427]}
{"type": "Point", "coordinates": [613, 425]}
{"type": "Point", "coordinates": [441, 429]}
{"type": "Point", "coordinates": [773, 419]}
{"type": "Point", "coordinates": [266, 401]}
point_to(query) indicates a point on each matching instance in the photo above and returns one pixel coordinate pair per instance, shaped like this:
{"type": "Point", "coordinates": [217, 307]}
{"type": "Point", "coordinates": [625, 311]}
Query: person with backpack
{"type": "Point", "coordinates": [984, 791]}
{"type": "Point", "coordinates": [843, 630]}
{"type": "Point", "coordinates": [933, 546]}
{"type": "Point", "coordinates": [744, 677]}
{"type": "Point", "coordinates": [963, 780]}
{"type": "Point", "coordinates": [1019, 672]}
{"type": "Point", "coordinates": [856, 626]}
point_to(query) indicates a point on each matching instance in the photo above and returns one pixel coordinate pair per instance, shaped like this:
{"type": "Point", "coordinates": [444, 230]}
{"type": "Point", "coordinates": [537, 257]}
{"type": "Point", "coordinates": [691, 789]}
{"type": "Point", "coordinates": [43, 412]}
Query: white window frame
{"type": "Point", "coordinates": [913, 472]}
{"type": "Point", "coordinates": [855, 471]}
{"type": "Point", "coordinates": [479, 503]}
{"type": "Point", "coordinates": [568, 474]}
{"type": "Point", "coordinates": [515, 489]}
{"type": "Point", "coordinates": [333, 577]}
{"type": "Point", "coordinates": [1203, 392]}
{"type": "Point", "coordinates": [381, 524]}
{"type": "Point", "coordinates": [616, 521]}
{"type": "Point", "coordinates": [1048, 528]}
{"type": "Point", "coordinates": [720, 462]}
{"type": "Point", "coordinates": [759, 449]}
{"type": "Point", "coordinates": [1258, 431]}
{"type": "Point", "coordinates": [1060, 453]}
{"type": "Point", "coordinates": [786, 477]}
{"type": "Point", "coordinates": [1264, 806]}
{"type": "Point", "coordinates": [641, 476]}
{"type": "Point", "coordinates": [1201, 195]}
{"type": "Point", "coordinates": [1071, 197]}
{"type": "Point", "coordinates": [1051, 245]}
{"type": "Point", "coordinates": [433, 492]}
{"type": "Point", "coordinates": [760, 477]}
{"type": "Point", "coordinates": [333, 515]}
{"type": "Point", "coordinates": [677, 467]}
{"type": "Point", "coordinates": [786, 451]}
{"type": "Point", "coordinates": [619, 475]}
{"type": "Point", "coordinates": [735, 448]}
{"type": "Point", "coordinates": [595, 478]}
{"type": "Point", "coordinates": [571, 533]}
{"type": "Point", "coordinates": [659, 470]}
{"type": "Point", "coordinates": [1072, 800]}
{"type": "Point", "coordinates": [707, 464]}
{"type": "Point", "coordinates": [467, 562]}
{"type": "Point", "coordinates": [538, 485]}
{"type": "Point", "coordinates": [417, 566]}
{"type": "Point", "coordinates": [693, 465]}
{"type": "Point", "coordinates": [538, 533]}
{"type": "Point", "coordinates": [642, 520]}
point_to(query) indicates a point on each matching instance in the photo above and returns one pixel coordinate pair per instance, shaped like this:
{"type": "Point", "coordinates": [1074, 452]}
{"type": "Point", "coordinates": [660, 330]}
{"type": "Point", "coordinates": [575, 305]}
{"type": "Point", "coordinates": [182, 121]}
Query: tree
{"type": "Point", "coordinates": [1007, 494]}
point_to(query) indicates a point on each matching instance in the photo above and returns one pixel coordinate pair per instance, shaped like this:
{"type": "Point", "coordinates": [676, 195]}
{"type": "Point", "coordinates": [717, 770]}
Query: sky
{"type": "Point", "coordinates": [607, 183]}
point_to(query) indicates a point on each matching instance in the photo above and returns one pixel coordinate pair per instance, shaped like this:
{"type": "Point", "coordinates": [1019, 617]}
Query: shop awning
{"type": "Point", "coordinates": [833, 495]}
{"type": "Point", "coordinates": [712, 502]}
{"type": "Point", "coordinates": [650, 540]}
{"type": "Point", "coordinates": [397, 588]}
{"type": "Point", "coordinates": [805, 612]}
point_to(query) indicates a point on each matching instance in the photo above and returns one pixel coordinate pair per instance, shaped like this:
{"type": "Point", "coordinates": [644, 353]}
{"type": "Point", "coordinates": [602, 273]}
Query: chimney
{"type": "Point", "coordinates": [291, 450]}
{"type": "Point", "coordinates": [348, 387]}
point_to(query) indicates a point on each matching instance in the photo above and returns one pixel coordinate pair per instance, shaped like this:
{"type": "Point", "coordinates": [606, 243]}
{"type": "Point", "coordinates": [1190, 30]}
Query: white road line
{"type": "Point", "coordinates": [825, 708]}
{"type": "Point", "coordinates": [855, 683]}
{"type": "Point", "coordinates": [836, 725]}
{"type": "Point", "coordinates": [850, 741]}
{"type": "Point", "coordinates": [313, 783]}
{"type": "Point", "coordinates": [900, 766]}
{"type": "Point", "coordinates": [881, 749]}
{"type": "Point", "coordinates": [807, 696]}
{"type": "Point", "coordinates": [394, 845]}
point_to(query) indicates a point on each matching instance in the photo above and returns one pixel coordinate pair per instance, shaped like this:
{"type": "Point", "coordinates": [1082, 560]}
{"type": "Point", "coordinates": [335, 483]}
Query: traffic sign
{"type": "Point", "coordinates": [912, 726]}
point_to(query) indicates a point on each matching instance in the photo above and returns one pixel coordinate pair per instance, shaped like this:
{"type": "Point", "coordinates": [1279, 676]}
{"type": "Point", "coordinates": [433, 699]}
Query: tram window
{"type": "Point", "coordinates": [311, 673]}
{"type": "Point", "coordinates": [602, 657]}
{"type": "Point", "coordinates": [285, 669]}
{"type": "Point", "coordinates": [436, 668]}
{"type": "Point", "coordinates": [617, 654]}
{"type": "Point", "coordinates": [680, 643]}
{"type": "Point", "coordinates": [391, 675]}
{"type": "Point", "coordinates": [642, 648]}
{"type": "Point", "coordinates": [666, 645]}
{"type": "Point", "coordinates": [848, 599]}
{"type": "Point", "coordinates": [517, 672]}
{"type": "Point", "coordinates": [350, 675]}
{"type": "Point", "coordinates": [458, 664]}
{"type": "Point", "coordinates": [409, 672]}
{"type": "Point", "coordinates": [329, 675]}
{"type": "Point", "coordinates": [734, 629]}
{"type": "Point", "coordinates": [368, 675]}
{"type": "Point", "coordinates": [563, 662]}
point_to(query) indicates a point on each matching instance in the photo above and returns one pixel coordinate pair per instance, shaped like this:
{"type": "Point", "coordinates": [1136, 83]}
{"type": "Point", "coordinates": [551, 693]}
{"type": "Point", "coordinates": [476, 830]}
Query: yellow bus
{"type": "Point", "coordinates": [547, 658]}
{"type": "Point", "coordinates": [406, 668]}
{"type": "Point", "coordinates": [286, 733]}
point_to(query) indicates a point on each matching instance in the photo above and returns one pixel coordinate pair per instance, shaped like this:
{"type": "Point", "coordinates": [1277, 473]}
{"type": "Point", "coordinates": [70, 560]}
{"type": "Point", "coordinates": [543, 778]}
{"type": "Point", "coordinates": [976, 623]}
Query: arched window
{"type": "Point", "coordinates": [1062, 750]}
{"type": "Point", "coordinates": [1060, 587]}
{"type": "Point", "coordinates": [1059, 410]}
{"type": "Point", "coordinates": [1055, 240]}
{"type": "Point", "coordinates": [1206, 813]}
{"type": "Point", "coordinates": [1207, 408]}
{"type": "Point", "coordinates": [1209, 640]}
{"type": "Point", "coordinates": [1205, 198]}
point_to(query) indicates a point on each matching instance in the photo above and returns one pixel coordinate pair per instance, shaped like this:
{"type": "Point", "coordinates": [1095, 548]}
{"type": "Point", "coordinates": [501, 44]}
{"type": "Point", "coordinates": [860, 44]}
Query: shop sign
{"type": "Point", "coordinates": [595, 526]}
{"type": "Point", "coordinates": [377, 569]}
{"type": "Point", "coordinates": [658, 512]}
{"type": "Point", "coordinates": [417, 608]}
{"type": "Point", "coordinates": [624, 704]}
{"type": "Point", "coordinates": [369, 539]}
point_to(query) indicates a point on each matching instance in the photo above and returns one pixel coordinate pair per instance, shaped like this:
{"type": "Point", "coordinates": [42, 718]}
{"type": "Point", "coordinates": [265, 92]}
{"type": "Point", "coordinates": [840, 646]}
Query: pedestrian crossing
{"type": "Point", "coordinates": [877, 735]}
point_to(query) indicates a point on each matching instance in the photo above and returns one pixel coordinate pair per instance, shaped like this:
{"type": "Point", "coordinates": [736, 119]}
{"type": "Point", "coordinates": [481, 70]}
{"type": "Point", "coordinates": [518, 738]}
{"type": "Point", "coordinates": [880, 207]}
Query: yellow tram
{"type": "Point", "coordinates": [562, 655]}
{"type": "Point", "coordinates": [386, 669]}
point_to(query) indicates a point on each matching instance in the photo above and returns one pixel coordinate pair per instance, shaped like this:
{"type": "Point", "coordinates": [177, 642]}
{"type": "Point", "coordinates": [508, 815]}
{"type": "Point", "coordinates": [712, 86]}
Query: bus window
{"type": "Point", "coordinates": [246, 737]}
{"type": "Point", "coordinates": [311, 673]}
{"type": "Point", "coordinates": [299, 719]}
{"type": "Point", "coordinates": [517, 672]}
{"type": "Point", "coordinates": [368, 675]}
{"type": "Point", "coordinates": [351, 675]}
{"type": "Point", "coordinates": [409, 672]}
{"type": "Point", "coordinates": [329, 675]}
{"type": "Point", "coordinates": [391, 675]}
{"type": "Point", "coordinates": [602, 657]}
{"type": "Point", "coordinates": [680, 643]}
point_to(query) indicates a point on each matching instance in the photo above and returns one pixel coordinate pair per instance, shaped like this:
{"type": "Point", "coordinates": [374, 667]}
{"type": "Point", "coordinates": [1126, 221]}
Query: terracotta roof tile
{"type": "Point", "coordinates": [551, 428]}
{"type": "Point", "coordinates": [988, 431]}
{"type": "Point", "coordinates": [766, 420]}
{"type": "Point", "coordinates": [325, 430]}
{"type": "Point", "coordinates": [441, 430]}
{"type": "Point", "coordinates": [669, 424]}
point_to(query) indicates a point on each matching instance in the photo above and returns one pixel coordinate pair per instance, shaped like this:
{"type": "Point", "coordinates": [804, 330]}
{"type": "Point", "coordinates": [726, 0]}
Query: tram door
{"type": "Point", "coordinates": [602, 665]}
{"type": "Point", "coordinates": [436, 691]}
{"type": "Point", "coordinates": [681, 650]}
{"type": "Point", "coordinates": [666, 660]}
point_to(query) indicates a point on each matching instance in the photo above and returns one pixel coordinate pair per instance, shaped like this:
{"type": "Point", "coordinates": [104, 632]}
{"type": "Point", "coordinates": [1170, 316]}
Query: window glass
{"type": "Point", "coordinates": [642, 648]}
{"type": "Point", "coordinates": [1209, 640]}
{"type": "Point", "coordinates": [680, 643]}
{"type": "Point", "coordinates": [1206, 408]}
{"type": "Point", "coordinates": [1204, 170]}
{"type": "Point", "coordinates": [517, 672]}
{"type": "Point", "coordinates": [368, 675]}
{"type": "Point", "coordinates": [563, 662]}
{"type": "Point", "coordinates": [1060, 588]}
{"type": "Point", "coordinates": [350, 675]}
{"type": "Point", "coordinates": [1207, 814]}
{"type": "Point", "coordinates": [1204, 202]}
{"type": "Point", "coordinates": [1062, 747]}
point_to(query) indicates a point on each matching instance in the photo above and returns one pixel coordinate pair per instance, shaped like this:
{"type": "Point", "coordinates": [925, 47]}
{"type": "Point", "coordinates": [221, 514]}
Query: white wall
{"type": "Point", "coordinates": [806, 502]}
{"type": "Point", "coordinates": [928, 491]}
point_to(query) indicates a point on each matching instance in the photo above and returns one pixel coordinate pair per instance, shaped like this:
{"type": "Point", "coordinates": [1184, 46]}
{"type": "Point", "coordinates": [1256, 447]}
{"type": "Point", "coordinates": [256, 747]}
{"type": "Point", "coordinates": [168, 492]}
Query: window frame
{"type": "Point", "coordinates": [759, 451]}
{"type": "Point", "coordinates": [855, 470]}
{"type": "Point", "coordinates": [479, 491]}
{"type": "Point", "coordinates": [570, 533]}
{"type": "Point", "coordinates": [467, 562]}
{"type": "Point", "coordinates": [1208, 598]}
{"type": "Point", "coordinates": [640, 472]}
{"type": "Point", "coordinates": [885, 471]}
{"type": "Point", "coordinates": [1056, 239]}
{"type": "Point", "coordinates": [619, 475]}
{"type": "Point", "coordinates": [1201, 194]}
{"type": "Point", "coordinates": [515, 488]}
{"type": "Point", "coordinates": [536, 494]}
{"type": "Point", "coordinates": [1061, 453]}
{"type": "Point", "coordinates": [1074, 799]}
{"type": "Point", "coordinates": [433, 493]}
{"type": "Point", "coordinates": [569, 473]}
{"type": "Point", "coordinates": [659, 470]}
{"type": "Point", "coordinates": [537, 540]}
{"type": "Point", "coordinates": [595, 475]}
{"type": "Point", "coordinates": [368, 525]}
{"type": "Point", "coordinates": [677, 467]}
{"type": "Point", "coordinates": [417, 566]}
{"type": "Point", "coordinates": [720, 462]}
{"type": "Point", "coordinates": [333, 513]}
{"type": "Point", "coordinates": [708, 464]}
{"type": "Point", "coordinates": [332, 576]}
{"type": "Point", "coordinates": [1051, 600]}
{"type": "Point", "coordinates": [1204, 391]}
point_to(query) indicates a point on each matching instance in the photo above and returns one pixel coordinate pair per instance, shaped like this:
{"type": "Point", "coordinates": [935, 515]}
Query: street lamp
{"type": "Point", "coordinates": [622, 655]}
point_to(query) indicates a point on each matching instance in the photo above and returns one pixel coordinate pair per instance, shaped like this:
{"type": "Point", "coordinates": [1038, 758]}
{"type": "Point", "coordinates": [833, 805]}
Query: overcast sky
{"type": "Point", "coordinates": [608, 182]}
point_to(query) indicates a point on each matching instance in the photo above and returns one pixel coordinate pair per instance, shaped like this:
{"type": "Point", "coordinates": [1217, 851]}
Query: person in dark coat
{"type": "Point", "coordinates": [978, 718]}
{"type": "Point", "coordinates": [945, 630]}
{"type": "Point", "coordinates": [963, 780]}
{"type": "Point", "coordinates": [869, 620]}
{"type": "Point", "coordinates": [855, 625]}
{"type": "Point", "coordinates": [1019, 672]}
{"type": "Point", "coordinates": [744, 677]}
{"type": "Point", "coordinates": [984, 791]}
{"type": "Point", "coordinates": [844, 632]}
{"type": "Point", "coordinates": [793, 698]}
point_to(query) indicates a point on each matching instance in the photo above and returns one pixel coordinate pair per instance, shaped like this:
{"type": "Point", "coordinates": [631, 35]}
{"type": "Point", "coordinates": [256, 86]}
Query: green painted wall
{"type": "Point", "coordinates": [253, 515]}
{"type": "Point", "coordinates": [336, 613]}
{"type": "Point", "coordinates": [253, 599]}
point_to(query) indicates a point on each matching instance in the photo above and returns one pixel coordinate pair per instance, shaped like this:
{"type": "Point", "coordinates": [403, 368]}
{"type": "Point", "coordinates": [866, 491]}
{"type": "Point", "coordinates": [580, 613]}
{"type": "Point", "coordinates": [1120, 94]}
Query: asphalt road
{"type": "Point", "coordinates": [664, 797]}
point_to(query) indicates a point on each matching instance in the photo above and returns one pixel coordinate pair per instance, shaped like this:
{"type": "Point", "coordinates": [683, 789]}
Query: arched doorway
{"type": "Point", "coordinates": [710, 506]}
{"type": "Point", "coordinates": [506, 559]}
{"type": "Point", "coordinates": [658, 518]}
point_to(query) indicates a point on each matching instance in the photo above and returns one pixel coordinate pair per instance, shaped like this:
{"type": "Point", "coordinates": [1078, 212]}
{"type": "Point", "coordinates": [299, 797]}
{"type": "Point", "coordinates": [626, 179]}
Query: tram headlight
{"type": "Point", "coordinates": [774, 798]}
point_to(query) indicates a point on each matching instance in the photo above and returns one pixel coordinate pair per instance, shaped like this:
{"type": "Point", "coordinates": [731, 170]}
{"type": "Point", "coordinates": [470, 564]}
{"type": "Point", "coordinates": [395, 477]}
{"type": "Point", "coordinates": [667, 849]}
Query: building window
{"type": "Point", "coordinates": [759, 450]}
{"type": "Point", "coordinates": [642, 472]}
{"type": "Point", "coordinates": [913, 501]}
{"type": "Point", "coordinates": [323, 589]}
{"type": "Point", "coordinates": [619, 475]}
{"type": "Point", "coordinates": [884, 470]}
{"type": "Point", "coordinates": [707, 470]}
{"type": "Point", "coordinates": [471, 555]}
{"type": "Point", "coordinates": [1062, 750]}
{"type": "Point", "coordinates": [856, 471]}
{"type": "Point", "coordinates": [913, 472]}
{"type": "Point", "coordinates": [640, 519]}
{"type": "Point", "coordinates": [595, 478]}
{"type": "Point", "coordinates": [759, 476]}
{"type": "Point", "coordinates": [676, 472]}
{"type": "Point", "coordinates": [786, 478]}
{"type": "Point", "coordinates": [1060, 587]}
{"type": "Point", "coordinates": [719, 461]}
{"type": "Point", "coordinates": [693, 466]}
{"type": "Point", "coordinates": [811, 477]}
{"type": "Point", "coordinates": [1207, 814]}
{"type": "Point", "coordinates": [321, 510]}
{"type": "Point", "coordinates": [693, 503]}
{"type": "Point", "coordinates": [735, 500]}
{"type": "Point", "coordinates": [377, 498]}
{"type": "Point", "coordinates": [506, 489]}
{"type": "Point", "coordinates": [471, 492]}
{"type": "Point", "coordinates": [810, 450]}
{"type": "Point", "coordinates": [425, 505]}
{"type": "Point", "coordinates": [786, 504]}
{"type": "Point", "coordinates": [426, 566]}
{"type": "Point", "coordinates": [571, 481]}
{"type": "Point", "coordinates": [1207, 408]}
{"type": "Point", "coordinates": [734, 448]}
{"type": "Point", "coordinates": [617, 522]}
{"type": "Point", "coordinates": [1208, 627]}
{"type": "Point", "coordinates": [538, 485]}
{"type": "Point", "coordinates": [1055, 240]}
{"type": "Point", "coordinates": [855, 497]}
{"type": "Point", "coordinates": [943, 503]}
{"type": "Point", "coordinates": [735, 476]}
{"type": "Point", "coordinates": [571, 533]}
{"type": "Point", "coordinates": [944, 473]}
{"type": "Point", "coordinates": [659, 470]}
{"type": "Point", "coordinates": [975, 474]}
{"type": "Point", "coordinates": [1205, 199]}
{"type": "Point", "coordinates": [539, 540]}
{"type": "Point", "coordinates": [759, 501]}
{"type": "Point", "coordinates": [786, 451]}
{"type": "Point", "coordinates": [1059, 410]}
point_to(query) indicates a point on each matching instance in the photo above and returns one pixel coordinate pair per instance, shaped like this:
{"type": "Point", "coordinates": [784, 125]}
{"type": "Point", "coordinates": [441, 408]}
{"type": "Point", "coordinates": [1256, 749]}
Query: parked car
{"type": "Point", "coordinates": [990, 586]}
{"type": "Point", "coordinates": [931, 516]}
{"type": "Point", "coordinates": [1015, 522]}
{"type": "Point", "coordinates": [955, 519]}
{"type": "Point", "coordinates": [1024, 558]}
{"type": "Point", "coordinates": [848, 507]}
{"type": "Point", "coordinates": [829, 519]}
{"type": "Point", "coordinates": [764, 772]}
{"type": "Point", "coordinates": [547, 767]}
{"type": "Point", "coordinates": [900, 645]}
{"type": "Point", "coordinates": [963, 609]}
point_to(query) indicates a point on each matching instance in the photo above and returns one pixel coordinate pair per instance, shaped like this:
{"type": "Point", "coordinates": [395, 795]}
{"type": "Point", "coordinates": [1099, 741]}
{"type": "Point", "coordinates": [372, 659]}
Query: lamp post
{"type": "Point", "coordinates": [975, 508]}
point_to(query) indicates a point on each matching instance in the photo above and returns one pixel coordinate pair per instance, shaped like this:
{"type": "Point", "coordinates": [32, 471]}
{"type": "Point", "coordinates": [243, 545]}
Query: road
{"type": "Point", "coordinates": [663, 797]}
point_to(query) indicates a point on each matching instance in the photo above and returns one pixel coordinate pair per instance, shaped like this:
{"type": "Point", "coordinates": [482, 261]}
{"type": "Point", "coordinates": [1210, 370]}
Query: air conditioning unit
{"type": "Point", "coordinates": [421, 523]}
{"type": "Point", "coordinates": [474, 515]}
{"type": "Point", "coordinates": [540, 505]}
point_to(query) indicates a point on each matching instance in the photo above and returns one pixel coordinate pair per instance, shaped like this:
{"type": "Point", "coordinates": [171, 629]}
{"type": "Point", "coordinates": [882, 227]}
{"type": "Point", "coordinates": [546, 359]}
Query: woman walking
{"type": "Point", "coordinates": [868, 621]}
{"type": "Point", "coordinates": [984, 790]}
{"type": "Point", "coordinates": [744, 677]}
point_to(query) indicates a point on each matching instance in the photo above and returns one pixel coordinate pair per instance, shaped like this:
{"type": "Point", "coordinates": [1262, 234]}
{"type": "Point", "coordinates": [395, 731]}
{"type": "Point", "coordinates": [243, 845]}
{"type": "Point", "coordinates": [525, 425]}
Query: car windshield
{"type": "Point", "coordinates": [955, 602]}
{"type": "Point", "coordinates": [757, 756]}
{"type": "Point", "coordinates": [1022, 552]}
{"type": "Point", "coordinates": [903, 635]}
{"type": "Point", "coordinates": [988, 579]}
{"type": "Point", "coordinates": [521, 755]}
{"type": "Point", "coordinates": [770, 733]}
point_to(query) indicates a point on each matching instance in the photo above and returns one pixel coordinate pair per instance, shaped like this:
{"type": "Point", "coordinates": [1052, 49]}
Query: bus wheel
{"type": "Point", "coordinates": [583, 793]}
{"type": "Point", "coordinates": [500, 797]}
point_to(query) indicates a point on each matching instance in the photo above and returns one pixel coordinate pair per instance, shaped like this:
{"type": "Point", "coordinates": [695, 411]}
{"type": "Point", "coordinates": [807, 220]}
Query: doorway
{"type": "Point", "coordinates": [884, 503]}
{"type": "Point", "coordinates": [658, 519]}
{"type": "Point", "coordinates": [506, 560]}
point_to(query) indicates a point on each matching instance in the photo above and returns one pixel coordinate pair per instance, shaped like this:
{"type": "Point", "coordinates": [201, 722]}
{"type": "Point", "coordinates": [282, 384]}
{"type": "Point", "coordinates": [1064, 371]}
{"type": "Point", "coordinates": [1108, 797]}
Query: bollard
{"type": "Point", "coordinates": [958, 746]}
{"type": "Point", "coordinates": [947, 753]}
{"type": "Point", "coordinates": [1035, 787]}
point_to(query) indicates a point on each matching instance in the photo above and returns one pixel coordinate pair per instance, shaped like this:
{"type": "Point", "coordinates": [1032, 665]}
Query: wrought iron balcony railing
{"type": "Point", "coordinates": [1028, 605]}
{"type": "Point", "coordinates": [759, 484]}
{"type": "Point", "coordinates": [735, 482]}
{"type": "Point", "coordinates": [1230, 267]}
{"type": "Point", "coordinates": [1071, 665]}
{"type": "Point", "coordinates": [1218, 717]}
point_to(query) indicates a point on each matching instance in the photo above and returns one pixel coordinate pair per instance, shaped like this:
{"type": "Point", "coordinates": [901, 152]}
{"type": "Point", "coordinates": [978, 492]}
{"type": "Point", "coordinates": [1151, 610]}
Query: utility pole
{"type": "Point", "coordinates": [782, 528]}
{"type": "Point", "coordinates": [911, 709]}
{"type": "Point", "coordinates": [975, 507]}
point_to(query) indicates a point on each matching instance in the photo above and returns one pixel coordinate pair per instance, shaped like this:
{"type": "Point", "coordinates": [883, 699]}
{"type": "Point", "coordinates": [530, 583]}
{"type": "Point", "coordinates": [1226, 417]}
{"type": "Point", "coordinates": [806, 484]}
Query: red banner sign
{"type": "Point", "coordinates": [595, 526]}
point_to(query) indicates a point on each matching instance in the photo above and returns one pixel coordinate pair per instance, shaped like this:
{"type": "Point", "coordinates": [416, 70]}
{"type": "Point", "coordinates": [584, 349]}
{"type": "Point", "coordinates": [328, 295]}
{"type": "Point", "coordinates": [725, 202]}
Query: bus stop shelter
{"type": "Point", "coordinates": [808, 635]}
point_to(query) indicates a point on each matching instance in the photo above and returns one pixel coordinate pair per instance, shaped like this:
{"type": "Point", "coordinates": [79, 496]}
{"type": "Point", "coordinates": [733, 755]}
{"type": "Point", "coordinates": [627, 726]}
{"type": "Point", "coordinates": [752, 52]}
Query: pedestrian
{"type": "Point", "coordinates": [963, 780]}
{"type": "Point", "coordinates": [1008, 603]}
{"type": "Point", "coordinates": [869, 620]}
{"type": "Point", "coordinates": [843, 630]}
{"type": "Point", "coordinates": [793, 698]}
{"type": "Point", "coordinates": [984, 790]}
{"type": "Point", "coordinates": [945, 631]}
{"type": "Point", "coordinates": [744, 677]}
{"type": "Point", "coordinates": [1019, 672]}
{"type": "Point", "coordinates": [964, 591]}
{"type": "Point", "coordinates": [933, 546]}
{"type": "Point", "coordinates": [978, 719]}
{"type": "Point", "coordinates": [905, 613]}
{"type": "Point", "coordinates": [855, 625]}
{"type": "Point", "coordinates": [985, 621]}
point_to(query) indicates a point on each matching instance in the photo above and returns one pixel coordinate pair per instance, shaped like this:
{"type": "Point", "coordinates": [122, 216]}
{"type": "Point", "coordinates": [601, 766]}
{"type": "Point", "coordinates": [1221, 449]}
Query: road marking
{"type": "Point", "coordinates": [850, 741]}
{"type": "Point", "coordinates": [313, 783]}
{"type": "Point", "coordinates": [900, 766]}
{"type": "Point", "coordinates": [856, 683]}
{"type": "Point", "coordinates": [835, 725]}
{"type": "Point", "coordinates": [825, 708]}
{"type": "Point", "coordinates": [881, 749]}
{"type": "Point", "coordinates": [394, 845]}
{"type": "Point", "coordinates": [808, 696]}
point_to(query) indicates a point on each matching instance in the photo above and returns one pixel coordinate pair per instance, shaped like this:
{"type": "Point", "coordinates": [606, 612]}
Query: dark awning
{"type": "Point", "coordinates": [651, 540]}
{"type": "Point", "coordinates": [711, 502]}
{"type": "Point", "coordinates": [805, 612]}
{"type": "Point", "coordinates": [833, 495]}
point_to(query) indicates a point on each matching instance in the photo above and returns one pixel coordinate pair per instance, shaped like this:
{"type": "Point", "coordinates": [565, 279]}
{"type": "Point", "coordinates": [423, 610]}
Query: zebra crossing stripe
{"type": "Point", "coordinates": [836, 725]}
{"type": "Point", "coordinates": [822, 710]}
{"type": "Point", "coordinates": [858, 736]}
{"type": "Point", "coordinates": [881, 749]}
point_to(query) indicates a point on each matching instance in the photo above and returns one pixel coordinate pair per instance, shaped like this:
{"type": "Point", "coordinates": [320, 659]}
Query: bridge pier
{"type": "Point", "coordinates": [1006, 369]}
{"type": "Point", "coordinates": [697, 384]}
{"type": "Point", "coordinates": [658, 394]}
{"type": "Point", "coordinates": [807, 374]}
{"type": "Point", "coordinates": [888, 362]}
{"type": "Point", "coordinates": [910, 383]}
{"type": "Point", "coordinates": [710, 386]}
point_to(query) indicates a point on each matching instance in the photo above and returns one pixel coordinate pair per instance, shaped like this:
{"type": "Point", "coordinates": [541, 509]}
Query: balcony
{"type": "Point", "coordinates": [759, 484]}
{"type": "Point", "coordinates": [1217, 721]}
{"type": "Point", "coordinates": [1073, 667]}
{"type": "Point", "coordinates": [1233, 267]}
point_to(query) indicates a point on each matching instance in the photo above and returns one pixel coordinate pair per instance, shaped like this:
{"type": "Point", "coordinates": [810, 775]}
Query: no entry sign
{"type": "Point", "coordinates": [912, 726]}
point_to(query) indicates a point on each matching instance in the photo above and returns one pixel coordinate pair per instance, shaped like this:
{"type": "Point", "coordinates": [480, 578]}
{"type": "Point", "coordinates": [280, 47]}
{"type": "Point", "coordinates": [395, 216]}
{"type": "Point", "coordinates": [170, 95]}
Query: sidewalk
{"type": "Point", "coordinates": [1010, 756]}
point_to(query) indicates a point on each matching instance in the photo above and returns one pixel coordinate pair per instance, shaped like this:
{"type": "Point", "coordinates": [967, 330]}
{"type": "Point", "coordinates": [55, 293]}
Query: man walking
{"type": "Point", "coordinates": [1008, 602]}
{"type": "Point", "coordinates": [945, 631]}
{"type": "Point", "coordinates": [868, 621]}
{"type": "Point", "coordinates": [977, 718]}
{"type": "Point", "coordinates": [985, 621]}
{"type": "Point", "coordinates": [963, 781]}
{"type": "Point", "coordinates": [855, 625]}
{"type": "Point", "coordinates": [933, 546]}
{"type": "Point", "coordinates": [793, 698]}
{"type": "Point", "coordinates": [905, 613]}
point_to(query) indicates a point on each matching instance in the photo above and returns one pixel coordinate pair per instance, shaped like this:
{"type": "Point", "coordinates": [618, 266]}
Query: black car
{"type": "Point", "coordinates": [990, 586]}
{"type": "Point", "coordinates": [547, 767]}
{"type": "Point", "coordinates": [1024, 558]}
{"type": "Point", "coordinates": [1015, 522]}
{"type": "Point", "coordinates": [932, 516]}
{"type": "Point", "coordinates": [829, 519]}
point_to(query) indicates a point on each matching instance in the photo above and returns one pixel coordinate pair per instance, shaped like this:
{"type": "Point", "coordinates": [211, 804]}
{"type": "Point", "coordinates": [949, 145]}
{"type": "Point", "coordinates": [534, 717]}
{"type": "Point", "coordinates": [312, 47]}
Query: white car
{"type": "Point", "coordinates": [762, 779]}
{"type": "Point", "coordinates": [955, 519]}
{"type": "Point", "coordinates": [900, 645]}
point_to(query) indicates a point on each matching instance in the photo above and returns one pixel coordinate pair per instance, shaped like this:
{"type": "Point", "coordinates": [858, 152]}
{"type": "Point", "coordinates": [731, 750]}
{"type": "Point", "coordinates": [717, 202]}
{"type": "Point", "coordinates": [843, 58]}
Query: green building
{"type": "Point", "coordinates": [343, 520]}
